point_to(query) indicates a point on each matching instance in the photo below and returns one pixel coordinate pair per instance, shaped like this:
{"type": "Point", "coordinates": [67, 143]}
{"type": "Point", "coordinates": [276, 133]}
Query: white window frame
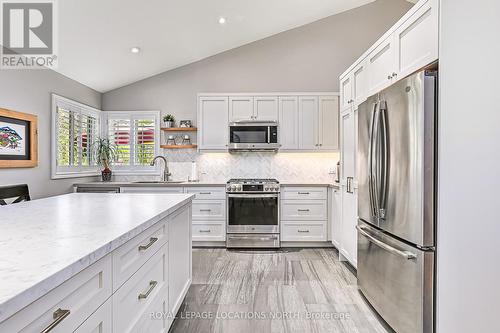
{"type": "Point", "coordinates": [125, 170]}
{"type": "Point", "coordinates": [70, 171]}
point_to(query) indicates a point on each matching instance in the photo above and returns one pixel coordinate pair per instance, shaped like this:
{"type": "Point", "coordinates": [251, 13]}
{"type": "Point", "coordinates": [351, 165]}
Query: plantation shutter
{"type": "Point", "coordinates": [136, 136]}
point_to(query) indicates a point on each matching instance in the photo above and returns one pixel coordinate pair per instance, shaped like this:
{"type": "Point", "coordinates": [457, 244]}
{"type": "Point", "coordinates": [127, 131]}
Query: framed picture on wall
{"type": "Point", "coordinates": [18, 139]}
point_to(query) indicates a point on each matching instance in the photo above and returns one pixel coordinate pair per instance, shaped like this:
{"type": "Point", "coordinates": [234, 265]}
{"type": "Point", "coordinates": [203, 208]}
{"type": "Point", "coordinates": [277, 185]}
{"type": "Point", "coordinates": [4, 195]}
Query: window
{"type": "Point", "coordinates": [75, 127]}
{"type": "Point", "coordinates": [136, 135]}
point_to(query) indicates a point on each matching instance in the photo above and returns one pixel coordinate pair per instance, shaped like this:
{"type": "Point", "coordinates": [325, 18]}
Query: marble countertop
{"type": "Point", "coordinates": [146, 184]}
{"type": "Point", "coordinates": [202, 183]}
{"type": "Point", "coordinates": [45, 242]}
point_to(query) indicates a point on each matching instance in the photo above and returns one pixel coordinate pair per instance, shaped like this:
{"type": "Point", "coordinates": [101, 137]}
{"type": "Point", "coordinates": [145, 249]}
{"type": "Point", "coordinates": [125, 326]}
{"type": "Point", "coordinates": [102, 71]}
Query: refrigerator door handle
{"type": "Point", "coordinates": [405, 254]}
{"type": "Point", "coordinates": [384, 159]}
{"type": "Point", "coordinates": [371, 186]}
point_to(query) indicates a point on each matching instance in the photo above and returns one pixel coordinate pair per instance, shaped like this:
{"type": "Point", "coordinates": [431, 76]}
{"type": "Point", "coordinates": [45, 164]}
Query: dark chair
{"type": "Point", "coordinates": [17, 192]}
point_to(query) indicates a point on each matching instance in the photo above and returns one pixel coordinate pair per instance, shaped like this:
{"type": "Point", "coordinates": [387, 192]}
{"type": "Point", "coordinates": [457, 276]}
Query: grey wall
{"type": "Point", "coordinates": [29, 91]}
{"type": "Point", "coordinates": [468, 251]}
{"type": "Point", "coordinates": [308, 58]}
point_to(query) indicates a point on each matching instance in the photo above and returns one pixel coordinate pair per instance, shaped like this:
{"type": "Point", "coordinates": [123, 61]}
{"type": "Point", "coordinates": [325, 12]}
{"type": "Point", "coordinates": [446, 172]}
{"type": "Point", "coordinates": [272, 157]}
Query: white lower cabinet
{"type": "Point", "coordinates": [209, 231]}
{"type": "Point", "coordinates": [304, 214]}
{"type": "Point", "coordinates": [303, 231]}
{"type": "Point", "coordinates": [67, 306]}
{"type": "Point", "coordinates": [100, 321]}
{"type": "Point", "coordinates": [336, 218]}
{"type": "Point", "coordinates": [138, 287]}
{"type": "Point", "coordinates": [209, 213]}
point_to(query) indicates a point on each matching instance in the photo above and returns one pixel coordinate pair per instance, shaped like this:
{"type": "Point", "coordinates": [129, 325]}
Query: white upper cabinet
{"type": "Point", "coordinates": [212, 123]}
{"type": "Point", "coordinates": [381, 66]}
{"type": "Point", "coordinates": [416, 40]}
{"type": "Point", "coordinates": [265, 108]}
{"type": "Point", "coordinates": [308, 120]}
{"type": "Point", "coordinates": [359, 84]}
{"type": "Point", "coordinates": [346, 92]}
{"type": "Point", "coordinates": [328, 122]}
{"type": "Point", "coordinates": [241, 108]}
{"type": "Point", "coordinates": [289, 122]}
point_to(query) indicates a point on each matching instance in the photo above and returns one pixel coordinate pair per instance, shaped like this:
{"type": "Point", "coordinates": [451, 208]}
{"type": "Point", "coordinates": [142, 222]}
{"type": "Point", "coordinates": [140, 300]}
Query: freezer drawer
{"type": "Point", "coordinates": [397, 279]}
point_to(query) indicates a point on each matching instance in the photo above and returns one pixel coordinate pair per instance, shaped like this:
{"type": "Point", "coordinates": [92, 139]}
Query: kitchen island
{"type": "Point", "coordinates": [64, 260]}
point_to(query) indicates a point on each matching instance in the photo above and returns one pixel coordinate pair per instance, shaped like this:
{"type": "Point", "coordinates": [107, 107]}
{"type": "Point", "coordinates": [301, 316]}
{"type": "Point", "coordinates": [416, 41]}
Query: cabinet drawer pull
{"type": "Point", "coordinates": [205, 210]}
{"type": "Point", "coordinates": [58, 316]}
{"type": "Point", "coordinates": [205, 230]}
{"type": "Point", "coordinates": [205, 193]}
{"type": "Point", "coordinates": [152, 285]}
{"type": "Point", "coordinates": [306, 193]}
{"type": "Point", "coordinates": [302, 231]}
{"type": "Point", "coordinates": [152, 240]}
{"type": "Point", "coordinates": [303, 210]}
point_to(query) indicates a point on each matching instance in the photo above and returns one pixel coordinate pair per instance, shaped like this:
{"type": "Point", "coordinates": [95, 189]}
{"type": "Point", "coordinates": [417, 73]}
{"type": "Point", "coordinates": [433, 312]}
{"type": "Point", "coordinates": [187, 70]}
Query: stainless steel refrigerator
{"type": "Point", "coordinates": [396, 202]}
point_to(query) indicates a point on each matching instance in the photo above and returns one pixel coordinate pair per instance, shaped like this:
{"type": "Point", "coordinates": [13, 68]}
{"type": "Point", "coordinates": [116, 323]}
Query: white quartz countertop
{"type": "Point", "coordinates": [45, 242]}
{"type": "Point", "coordinates": [203, 183]}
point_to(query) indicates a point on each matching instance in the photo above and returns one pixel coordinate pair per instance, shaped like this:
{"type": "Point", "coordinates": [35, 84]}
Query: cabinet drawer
{"type": "Point", "coordinates": [303, 210]}
{"type": "Point", "coordinates": [81, 296]}
{"type": "Point", "coordinates": [208, 193]}
{"type": "Point", "coordinates": [300, 193]}
{"type": "Point", "coordinates": [128, 258]}
{"type": "Point", "coordinates": [209, 231]}
{"type": "Point", "coordinates": [100, 321]}
{"type": "Point", "coordinates": [303, 232]}
{"type": "Point", "coordinates": [209, 210]}
{"type": "Point", "coordinates": [145, 292]}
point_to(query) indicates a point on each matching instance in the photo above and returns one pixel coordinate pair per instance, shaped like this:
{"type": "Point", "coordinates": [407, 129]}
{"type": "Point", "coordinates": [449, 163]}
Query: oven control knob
{"type": "Point", "coordinates": [233, 187]}
{"type": "Point", "coordinates": [266, 189]}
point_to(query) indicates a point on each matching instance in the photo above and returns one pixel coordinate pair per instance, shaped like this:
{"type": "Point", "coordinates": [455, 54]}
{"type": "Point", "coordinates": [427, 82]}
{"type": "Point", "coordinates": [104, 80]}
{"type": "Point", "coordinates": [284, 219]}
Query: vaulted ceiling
{"type": "Point", "coordinates": [96, 37]}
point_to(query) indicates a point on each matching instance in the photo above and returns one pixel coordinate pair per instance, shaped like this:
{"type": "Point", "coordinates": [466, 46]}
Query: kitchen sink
{"type": "Point", "coordinates": [158, 182]}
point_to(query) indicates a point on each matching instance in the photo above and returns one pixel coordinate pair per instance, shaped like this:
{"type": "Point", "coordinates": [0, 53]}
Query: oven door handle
{"type": "Point", "coordinates": [250, 196]}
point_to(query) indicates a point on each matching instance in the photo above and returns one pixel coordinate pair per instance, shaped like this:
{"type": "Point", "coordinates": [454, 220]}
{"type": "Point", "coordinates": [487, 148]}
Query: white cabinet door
{"type": "Point", "coordinates": [346, 92]}
{"type": "Point", "coordinates": [416, 40]}
{"type": "Point", "coordinates": [265, 108]}
{"type": "Point", "coordinates": [179, 257]}
{"type": "Point", "coordinates": [336, 218]}
{"type": "Point", "coordinates": [212, 123]}
{"type": "Point", "coordinates": [328, 123]}
{"type": "Point", "coordinates": [289, 122]}
{"type": "Point", "coordinates": [241, 108]}
{"type": "Point", "coordinates": [360, 83]}
{"type": "Point", "coordinates": [308, 122]}
{"type": "Point", "coordinates": [349, 236]}
{"type": "Point", "coordinates": [381, 66]}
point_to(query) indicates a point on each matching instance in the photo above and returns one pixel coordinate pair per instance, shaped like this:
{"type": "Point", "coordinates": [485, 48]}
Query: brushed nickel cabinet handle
{"type": "Point", "coordinates": [58, 316]}
{"type": "Point", "coordinates": [303, 210]}
{"type": "Point", "coordinates": [205, 230]}
{"type": "Point", "coordinates": [205, 192]}
{"type": "Point", "coordinates": [205, 210]}
{"type": "Point", "coordinates": [303, 193]}
{"type": "Point", "coordinates": [152, 240]}
{"type": "Point", "coordinates": [302, 231]}
{"type": "Point", "coordinates": [152, 285]}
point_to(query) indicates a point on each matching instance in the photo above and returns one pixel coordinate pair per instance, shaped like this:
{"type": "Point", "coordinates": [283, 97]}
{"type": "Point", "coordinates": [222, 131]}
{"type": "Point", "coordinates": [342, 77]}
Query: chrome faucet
{"type": "Point", "coordinates": [166, 174]}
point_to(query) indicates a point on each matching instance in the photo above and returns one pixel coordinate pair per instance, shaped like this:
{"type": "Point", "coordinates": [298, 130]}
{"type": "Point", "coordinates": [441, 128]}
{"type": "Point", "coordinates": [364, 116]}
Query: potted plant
{"type": "Point", "coordinates": [105, 152]}
{"type": "Point", "coordinates": [169, 120]}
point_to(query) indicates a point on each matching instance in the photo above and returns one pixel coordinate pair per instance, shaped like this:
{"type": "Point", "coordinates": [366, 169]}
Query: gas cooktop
{"type": "Point", "coordinates": [253, 185]}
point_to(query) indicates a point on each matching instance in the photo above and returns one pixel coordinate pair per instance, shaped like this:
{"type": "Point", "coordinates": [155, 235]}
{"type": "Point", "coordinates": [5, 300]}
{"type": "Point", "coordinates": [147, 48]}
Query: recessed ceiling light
{"type": "Point", "coordinates": [135, 49]}
{"type": "Point", "coordinates": [222, 20]}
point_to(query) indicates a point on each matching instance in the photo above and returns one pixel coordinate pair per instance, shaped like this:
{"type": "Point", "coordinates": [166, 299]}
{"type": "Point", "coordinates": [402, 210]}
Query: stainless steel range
{"type": "Point", "coordinates": [253, 213]}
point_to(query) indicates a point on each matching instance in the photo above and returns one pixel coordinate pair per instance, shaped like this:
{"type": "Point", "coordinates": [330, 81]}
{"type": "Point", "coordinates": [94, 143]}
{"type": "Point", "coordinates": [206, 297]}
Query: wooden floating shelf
{"type": "Point", "coordinates": [179, 129]}
{"type": "Point", "coordinates": [178, 146]}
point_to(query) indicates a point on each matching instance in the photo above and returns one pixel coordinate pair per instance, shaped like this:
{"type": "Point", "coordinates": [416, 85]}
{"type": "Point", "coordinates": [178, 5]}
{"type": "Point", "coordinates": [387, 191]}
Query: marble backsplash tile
{"type": "Point", "coordinates": [219, 167]}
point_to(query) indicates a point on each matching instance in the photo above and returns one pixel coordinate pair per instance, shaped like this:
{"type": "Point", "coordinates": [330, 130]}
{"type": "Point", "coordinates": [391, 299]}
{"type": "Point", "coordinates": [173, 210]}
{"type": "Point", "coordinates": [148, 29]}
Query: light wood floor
{"type": "Point", "coordinates": [256, 291]}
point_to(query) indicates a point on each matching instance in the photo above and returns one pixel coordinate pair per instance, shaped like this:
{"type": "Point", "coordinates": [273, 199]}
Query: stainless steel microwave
{"type": "Point", "coordinates": [253, 135]}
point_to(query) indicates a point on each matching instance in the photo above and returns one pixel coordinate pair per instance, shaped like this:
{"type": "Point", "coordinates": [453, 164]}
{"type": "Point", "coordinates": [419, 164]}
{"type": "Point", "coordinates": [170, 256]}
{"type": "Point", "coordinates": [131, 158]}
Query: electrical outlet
{"type": "Point", "coordinates": [332, 171]}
